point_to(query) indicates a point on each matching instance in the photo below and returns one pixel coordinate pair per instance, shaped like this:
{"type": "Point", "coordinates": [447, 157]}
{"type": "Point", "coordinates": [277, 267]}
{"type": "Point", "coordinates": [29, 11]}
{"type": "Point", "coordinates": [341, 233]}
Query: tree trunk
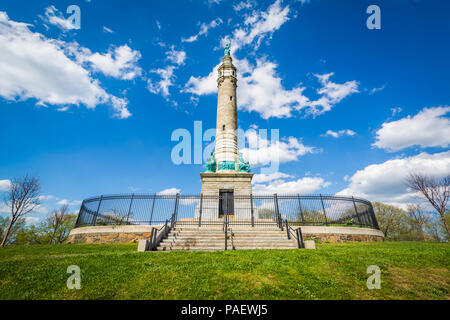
{"type": "Point", "coordinates": [53, 236]}
{"type": "Point", "coordinates": [5, 237]}
{"type": "Point", "coordinates": [445, 222]}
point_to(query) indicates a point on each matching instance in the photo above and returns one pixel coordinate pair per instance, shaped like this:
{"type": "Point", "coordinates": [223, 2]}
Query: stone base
{"type": "Point", "coordinates": [214, 182]}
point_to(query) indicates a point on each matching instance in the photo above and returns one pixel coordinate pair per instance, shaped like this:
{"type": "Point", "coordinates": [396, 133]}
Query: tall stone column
{"type": "Point", "coordinates": [226, 151]}
{"type": "Point", "coordinates": [226, 172]}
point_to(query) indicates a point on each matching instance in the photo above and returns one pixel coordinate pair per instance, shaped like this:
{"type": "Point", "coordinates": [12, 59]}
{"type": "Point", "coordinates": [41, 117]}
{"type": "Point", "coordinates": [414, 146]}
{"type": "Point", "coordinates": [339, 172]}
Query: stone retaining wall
{"type": "Point", "coordinates": [341, 234]}
{"type": "Point", "coordinates": [124, 234]}
{"type": "Point", "coordinates": [110, 234]}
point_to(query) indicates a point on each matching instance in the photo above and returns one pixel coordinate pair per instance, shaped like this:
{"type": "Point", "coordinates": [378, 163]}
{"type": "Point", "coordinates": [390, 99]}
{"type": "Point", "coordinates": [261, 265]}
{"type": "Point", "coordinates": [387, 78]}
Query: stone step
{"type": "Point", "coordinates": [216, 249]}
{"type": "Point", "coordinates": [260, 240]}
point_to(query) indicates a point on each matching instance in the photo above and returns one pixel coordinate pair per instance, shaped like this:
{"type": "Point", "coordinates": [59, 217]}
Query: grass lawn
{"type": "Point", "coordinates": [334, 271]}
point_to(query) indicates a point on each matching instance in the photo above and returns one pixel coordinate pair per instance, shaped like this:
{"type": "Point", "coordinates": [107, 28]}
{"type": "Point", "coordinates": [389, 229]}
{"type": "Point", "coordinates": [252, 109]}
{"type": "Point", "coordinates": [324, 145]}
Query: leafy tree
{"type": "Point", "coordinates": [53, 230]}
{"type": "Point", "coordinates": [392, 221]}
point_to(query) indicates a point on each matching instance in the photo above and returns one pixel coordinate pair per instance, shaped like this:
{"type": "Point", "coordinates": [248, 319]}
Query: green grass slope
{"type": "Point", "coordinates": [333, 271]}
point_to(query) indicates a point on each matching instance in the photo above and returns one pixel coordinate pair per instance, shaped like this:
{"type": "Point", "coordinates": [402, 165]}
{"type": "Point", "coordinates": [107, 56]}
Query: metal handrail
{"type": "Point", "coordinates": [157, 235]}
{"type": "Point", "coordinates": [297, 234]}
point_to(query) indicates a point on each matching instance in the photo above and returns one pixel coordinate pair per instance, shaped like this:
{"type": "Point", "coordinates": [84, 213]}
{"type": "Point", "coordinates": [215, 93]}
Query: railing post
{"type": "Point", "coordinates": [300, 242]}
{"type": "Point", "coordinates": [300, 208]}
{"type": "Point", "coordinates": [374, 218]}
{"type": "Point", "coordinates": [153, 207]}
{"type": "Point", "coordinates": [129, 209]}
{"type": "Point", "coordinates": [175, 211]}
{"type": "Point", "coordinates": [251, 208]}
{"type": "Point", "coordinates": [79, 214]}
{"type": "Point", "coordinates": [200, 212]}
{"type": "Point", "coordinates": [356, 211]}
{"type": "Point", "coordinates": [98, 208]}
{"type": "Point", "coordinates": [226, 238]}
{"type": "Point", "coordinates": [277, 211]}
{"type": "Point", "coordinates": [151, 239]}
{"type": "Point", "coordinates": [287, 229]}
{"type": "Point", "coordinates": [323, 208]}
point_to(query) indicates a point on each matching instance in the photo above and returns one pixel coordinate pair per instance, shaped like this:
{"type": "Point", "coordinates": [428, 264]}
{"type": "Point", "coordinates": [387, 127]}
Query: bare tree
{"type": "Point", "coordinates": [418, 217]}
{"type": "Point", "coordinates": [22, 198]}
{"type": "Point", "coordinates": [436, 191]}
{"type": "Point", "coordinates": [56, 219]}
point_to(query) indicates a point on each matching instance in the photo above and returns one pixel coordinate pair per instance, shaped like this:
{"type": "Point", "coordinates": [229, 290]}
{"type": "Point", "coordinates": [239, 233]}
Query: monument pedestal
{"type": "Point", "coordinates": [237, 183]}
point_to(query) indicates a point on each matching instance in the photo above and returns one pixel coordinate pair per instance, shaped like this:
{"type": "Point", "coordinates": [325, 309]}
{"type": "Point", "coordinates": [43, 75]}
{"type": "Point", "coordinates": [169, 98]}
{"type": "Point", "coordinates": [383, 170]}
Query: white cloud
{"type": "Point", "coordinates": [260, 89]}
{"type": "Point", "coordinates": [375, 90]}
{"type": "Point", "coordinates": [32, 220]}
{"type": "Point", "coordinates": [243, 5]}
{"type": "Point", "coordinates": [120, 62]}
{"type": "Point", "coordinates": [65, 202]}
{"type": "Point", "coordinates": [306, 185]}
{"type": "Point", "coordinates": [262, 151]}
{"type": "Point", "coordinates": [34, 67]}
{"type": "Point", "coordinates": [259, 25]}
{"type": "Point", "coordinates": [169, 191]}
{"type": "Point", "coordinates": [332, 93]}
{"type": "Point", "coordinates": [262, 178]}
{"type": "Point", "coordinates": [107, 30]}
{"type": "Point", "coordinates": [4, 185]}
{"type": "Point", "coordinates": [396, 111]}
{"type": "Point", "coordinates": [162, 86]}
{"type": "Point", "coordinates": [204, 28]}
{"type": "Point", "coordinates": [340, 133]}
{"type": "Point", "coordinates": [54, 17]}
{"type": "Point", "coordinates": [177, 57]}
{"type": "Point", "coordinates": [385, 182]}
{"type": "Point", "coordinates": [428, 128]}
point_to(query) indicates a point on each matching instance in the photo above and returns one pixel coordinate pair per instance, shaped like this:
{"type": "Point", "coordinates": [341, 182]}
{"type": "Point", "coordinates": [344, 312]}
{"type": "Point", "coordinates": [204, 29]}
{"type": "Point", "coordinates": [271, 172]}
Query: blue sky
{"type": "Point", "coordinates": [91, 110]}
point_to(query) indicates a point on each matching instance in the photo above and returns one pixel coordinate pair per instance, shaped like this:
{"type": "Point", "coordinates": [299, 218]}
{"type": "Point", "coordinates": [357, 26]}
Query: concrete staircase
{"type": "Point", "coordinates": [212, 238]}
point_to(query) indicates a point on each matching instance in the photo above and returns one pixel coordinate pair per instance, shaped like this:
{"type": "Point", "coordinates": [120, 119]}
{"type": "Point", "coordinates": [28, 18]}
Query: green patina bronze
{"type": "Point", "coordinates": [244, 166]}
{"type": "Point", "coordinates": [227, 48]}
{"type": "Point", "coordinates": [227, 165]}
{"type": "Point", "coordinates": [210, 164]}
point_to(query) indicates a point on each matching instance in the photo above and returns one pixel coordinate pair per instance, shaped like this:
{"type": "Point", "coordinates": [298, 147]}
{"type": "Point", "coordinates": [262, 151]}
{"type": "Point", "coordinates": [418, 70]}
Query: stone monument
{"type": "Point", "coordinates": [227, 174]}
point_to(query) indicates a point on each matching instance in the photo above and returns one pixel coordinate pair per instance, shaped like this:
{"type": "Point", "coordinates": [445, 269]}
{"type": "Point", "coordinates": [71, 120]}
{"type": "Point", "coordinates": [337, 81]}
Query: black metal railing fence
{"type": "Point", "coordinates": [202, 210]}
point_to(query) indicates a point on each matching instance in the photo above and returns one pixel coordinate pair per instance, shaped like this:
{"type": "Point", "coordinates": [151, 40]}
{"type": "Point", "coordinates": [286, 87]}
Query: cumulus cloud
{"type": "Point", "coordinates": [261, 90]}
{"type": "Point", "coordinates": [306, 185]}
{"type": "Point", "coordinates": [118, 62]}
{"type": "Point", "coordinates": [4, 185]}
{"type": "Point", "coordinates": [34, 67]}
{"type": "Point", "coordinates": [429, 128]}
{"type": "Point", "coordinates": [204, 28]}
{"type": "Point", "coordinates": [340, 133]}
{"type": "Point", "coordinates": [385, 181]}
